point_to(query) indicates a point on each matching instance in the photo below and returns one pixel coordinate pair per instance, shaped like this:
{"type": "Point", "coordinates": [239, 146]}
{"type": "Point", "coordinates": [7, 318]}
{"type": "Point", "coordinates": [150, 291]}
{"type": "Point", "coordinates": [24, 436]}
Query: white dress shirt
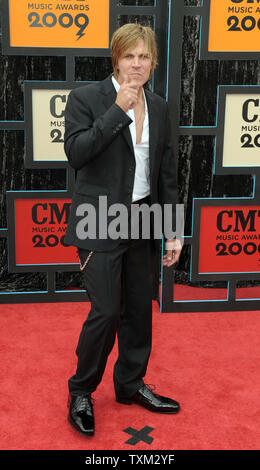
{"type": "Point", "coordinates": [141, 187]}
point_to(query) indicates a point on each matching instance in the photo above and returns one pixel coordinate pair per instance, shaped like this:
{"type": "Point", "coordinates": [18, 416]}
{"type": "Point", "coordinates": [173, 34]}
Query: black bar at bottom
{"type": "Point", "coordinates": [120, 459]}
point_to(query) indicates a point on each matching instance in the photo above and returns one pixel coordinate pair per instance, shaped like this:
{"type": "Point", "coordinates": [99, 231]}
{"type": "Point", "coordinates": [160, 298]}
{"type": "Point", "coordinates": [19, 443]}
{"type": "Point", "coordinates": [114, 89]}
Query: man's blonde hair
{"type": "Point", "coordinates": [127, 37]}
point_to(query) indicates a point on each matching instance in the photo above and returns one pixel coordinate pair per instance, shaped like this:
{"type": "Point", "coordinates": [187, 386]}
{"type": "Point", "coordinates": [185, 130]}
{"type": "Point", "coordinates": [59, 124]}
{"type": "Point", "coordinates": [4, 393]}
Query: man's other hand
{"type": "Point", "coordinates": [173, 251]}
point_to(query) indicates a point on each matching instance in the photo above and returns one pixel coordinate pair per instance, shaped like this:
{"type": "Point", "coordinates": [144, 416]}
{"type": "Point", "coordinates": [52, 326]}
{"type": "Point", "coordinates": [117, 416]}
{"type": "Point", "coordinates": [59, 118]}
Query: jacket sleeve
{"type": "Point", "coordinates": [86, 137]}
{"type": "Point", "coordinates": [168, 189]}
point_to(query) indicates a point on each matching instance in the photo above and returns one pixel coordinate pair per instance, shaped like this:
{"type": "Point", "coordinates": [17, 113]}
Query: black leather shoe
{"type": "Point", "coordinates": [150, 400]}
{"type": "Point", "coordinates": [81, 415]}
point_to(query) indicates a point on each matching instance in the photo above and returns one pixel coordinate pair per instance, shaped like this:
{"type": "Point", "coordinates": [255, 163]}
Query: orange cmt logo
{"type": "Point", "coordinates": [59, 24]}
{"type": "Point", "coordinates": [234, 26]}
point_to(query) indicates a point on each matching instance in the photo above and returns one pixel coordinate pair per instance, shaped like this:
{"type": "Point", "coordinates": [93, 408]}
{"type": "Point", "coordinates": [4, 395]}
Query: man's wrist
{"type": "Point", "coordinates": [169, 244]}
{"type": "Point", "coordinates": [121, 107]}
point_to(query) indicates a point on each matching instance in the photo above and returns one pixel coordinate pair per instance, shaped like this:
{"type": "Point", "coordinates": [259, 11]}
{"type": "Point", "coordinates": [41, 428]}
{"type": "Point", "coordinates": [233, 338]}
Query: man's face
{"type": "Point", "coordinates": [135, 64]}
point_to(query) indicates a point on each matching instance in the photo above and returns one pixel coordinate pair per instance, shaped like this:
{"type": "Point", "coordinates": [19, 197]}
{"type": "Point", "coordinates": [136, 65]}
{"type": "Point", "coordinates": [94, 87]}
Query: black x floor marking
{"type": "Point", "coordinates": [138, 436]}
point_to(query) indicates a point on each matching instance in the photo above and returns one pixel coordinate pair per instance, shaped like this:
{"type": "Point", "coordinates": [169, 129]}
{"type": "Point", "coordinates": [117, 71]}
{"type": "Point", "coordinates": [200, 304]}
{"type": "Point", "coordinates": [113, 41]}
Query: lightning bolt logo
{"type": "Point", "coordinates": [80, 35]}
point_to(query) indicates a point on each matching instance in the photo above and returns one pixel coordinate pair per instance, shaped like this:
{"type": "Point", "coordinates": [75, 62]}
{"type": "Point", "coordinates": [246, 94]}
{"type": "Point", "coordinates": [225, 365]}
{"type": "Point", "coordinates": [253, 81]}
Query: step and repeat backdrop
{"type": "Point", "coordinates": [224, 238]}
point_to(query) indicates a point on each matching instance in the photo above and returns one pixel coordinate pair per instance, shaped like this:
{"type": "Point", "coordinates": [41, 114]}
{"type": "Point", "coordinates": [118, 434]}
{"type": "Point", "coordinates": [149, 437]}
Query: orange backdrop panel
{"type": "Point", "coordinates": [59, 23]}
{"type": "Point", "coordinates": [240, 33]}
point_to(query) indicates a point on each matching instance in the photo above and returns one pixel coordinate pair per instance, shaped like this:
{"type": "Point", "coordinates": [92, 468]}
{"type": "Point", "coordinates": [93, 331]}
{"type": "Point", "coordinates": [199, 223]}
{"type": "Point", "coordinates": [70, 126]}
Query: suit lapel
{"type": "Point", "coordinates": [153, 127]}
{"type": "Point", "coordinates": [109, 98]}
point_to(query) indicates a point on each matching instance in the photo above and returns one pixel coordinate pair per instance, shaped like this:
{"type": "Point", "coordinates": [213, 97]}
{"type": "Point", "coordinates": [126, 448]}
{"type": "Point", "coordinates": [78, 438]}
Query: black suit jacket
{"type": "Point", "coordinates": [98, 145]}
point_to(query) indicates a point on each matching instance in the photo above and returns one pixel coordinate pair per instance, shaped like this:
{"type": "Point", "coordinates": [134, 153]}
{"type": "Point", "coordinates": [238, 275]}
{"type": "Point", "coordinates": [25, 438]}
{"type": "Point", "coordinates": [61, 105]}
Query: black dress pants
{"type": "Point", "coordinates": [119, 284]}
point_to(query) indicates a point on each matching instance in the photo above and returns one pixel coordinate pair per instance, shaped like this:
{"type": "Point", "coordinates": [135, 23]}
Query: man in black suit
{"type": "Point", "coordinates": [117, 137]}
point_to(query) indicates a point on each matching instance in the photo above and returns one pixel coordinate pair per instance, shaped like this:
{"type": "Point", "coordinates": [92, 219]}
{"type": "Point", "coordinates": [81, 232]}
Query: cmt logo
{"type": "Point", "coordinates": [237, 221]}
{"type": "Point", "coordinates": [249, 108]}
{"type": "Point", "coordinates": [57, 105]}
{"type": "Point", "coordinates": [245, 1]}
{"type": "Point", "coordinates": [51, 213]}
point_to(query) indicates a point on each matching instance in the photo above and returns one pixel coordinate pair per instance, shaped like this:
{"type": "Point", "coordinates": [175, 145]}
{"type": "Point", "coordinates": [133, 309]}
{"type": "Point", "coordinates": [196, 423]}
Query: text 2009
{"type": "Point", "coordinates": [65, 20]}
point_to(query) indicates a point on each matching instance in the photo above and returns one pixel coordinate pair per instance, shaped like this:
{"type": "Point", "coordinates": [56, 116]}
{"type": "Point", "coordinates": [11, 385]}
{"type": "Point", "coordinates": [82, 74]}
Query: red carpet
{"type": "Point", "coordinates": [209, 362]}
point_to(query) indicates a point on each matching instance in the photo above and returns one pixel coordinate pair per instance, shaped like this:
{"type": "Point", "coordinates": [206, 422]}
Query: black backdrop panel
{"type": "Point", "coordinates": [204, 94]}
